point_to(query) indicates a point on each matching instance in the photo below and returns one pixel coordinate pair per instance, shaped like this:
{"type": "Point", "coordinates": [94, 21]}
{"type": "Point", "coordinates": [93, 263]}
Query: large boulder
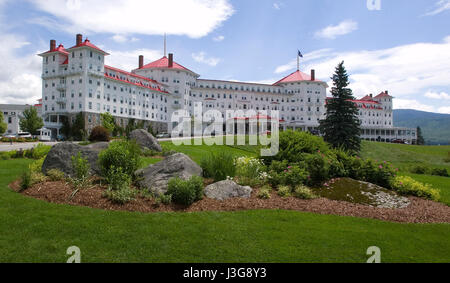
{"type": "Point", "coordinates": [156, 177]}
{"type": "Point", "coordinates": [60, 157]}
{"type": "Point", "coordinates": [145, 140]}
{"type": "Point", "coordinates": [227, 189]}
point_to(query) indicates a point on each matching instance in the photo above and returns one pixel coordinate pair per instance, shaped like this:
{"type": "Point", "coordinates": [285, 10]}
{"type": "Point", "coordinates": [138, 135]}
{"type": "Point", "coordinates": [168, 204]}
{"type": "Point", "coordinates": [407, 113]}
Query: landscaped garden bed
{"type": "Point", "coordinates": [306, 175]}
{"type": "Point", "coordinates": [419, 210]}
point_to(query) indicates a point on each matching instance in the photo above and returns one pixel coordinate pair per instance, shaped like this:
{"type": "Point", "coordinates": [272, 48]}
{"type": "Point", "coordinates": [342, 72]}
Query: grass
{"type": "Point", "coordinates": [197, 153]}
{"type": "Point", "coordinates": [36, 231]}
{"type": "Point", "coordinates": [406, 156]}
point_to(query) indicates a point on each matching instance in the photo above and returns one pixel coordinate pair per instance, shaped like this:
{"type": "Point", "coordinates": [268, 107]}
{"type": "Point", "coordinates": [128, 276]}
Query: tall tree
{"type": "Point", "coordinates": [78, 128]}
{"type": "Point", "coordinates": [3, 125]}
{"type": "Point", "coordinates": [108, 121]}
{"type": "Point", "coordinates": [31, 122]}
{"type": "Point", "coordinates": [341, 127]}
{"type": "Point", "coordinates": [420, 138]}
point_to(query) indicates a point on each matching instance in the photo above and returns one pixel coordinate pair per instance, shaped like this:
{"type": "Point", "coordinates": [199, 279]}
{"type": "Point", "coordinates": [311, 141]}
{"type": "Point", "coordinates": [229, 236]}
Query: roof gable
{"type": "Point", "coordinates": [296, 76]}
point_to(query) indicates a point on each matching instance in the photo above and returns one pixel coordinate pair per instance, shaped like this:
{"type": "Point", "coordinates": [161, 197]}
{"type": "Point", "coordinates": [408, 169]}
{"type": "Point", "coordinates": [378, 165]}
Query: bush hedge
{"type": "Point", "coordinates": [100, 134]}
{"type": "Point", "coordinates": [120, 154]}
{"type": "Point", "coordinates": [408, 186]}
{"type": "Point", "coordinates": [185, 192]}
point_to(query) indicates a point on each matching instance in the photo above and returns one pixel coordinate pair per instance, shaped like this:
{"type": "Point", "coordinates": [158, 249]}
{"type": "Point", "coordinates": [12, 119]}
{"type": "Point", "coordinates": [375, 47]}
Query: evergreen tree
{"type": "Point", "coordinates": [3, 125]}
{"type": "Point", "coordinates": [78, 128]}
{"type": "Point", "coordinates": [341, 127]}
{"type": "Point", "coordinates": [420, 139]}
{"type": "Point", "coordinates": [31, 121]}
{"type": "Point", "coordinates": [108, 122]}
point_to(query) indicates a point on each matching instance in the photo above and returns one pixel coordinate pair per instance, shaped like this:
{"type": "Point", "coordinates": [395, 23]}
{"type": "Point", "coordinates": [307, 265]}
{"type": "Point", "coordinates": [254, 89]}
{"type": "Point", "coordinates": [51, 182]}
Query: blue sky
{"type": "Point", "coordinates": [404, 47]}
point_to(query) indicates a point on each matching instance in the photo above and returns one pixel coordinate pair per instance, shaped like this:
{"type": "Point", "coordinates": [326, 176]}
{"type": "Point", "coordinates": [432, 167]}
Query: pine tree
{"type": "Point", "coordinates": [78, 128]}
{"type": "Point", "coordinates": [420, 139]}
{"type": "Point", "coordinates": [341, 127]}
{"type": "Point", "coordinates": [3, 125]}
{"type": "Point", "coordinates": [31, 122]}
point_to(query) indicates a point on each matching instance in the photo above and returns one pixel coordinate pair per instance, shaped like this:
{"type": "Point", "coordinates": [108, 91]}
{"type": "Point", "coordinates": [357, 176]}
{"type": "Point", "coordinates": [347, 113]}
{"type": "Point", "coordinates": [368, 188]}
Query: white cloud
{"type": "Point", "coordinates": [444, 110]}
{"type": "Point", "coordinates": [149, 17]}
{"type": "Point", "coordinates": [201, 57]}
{"type": "Point", "coordinates": [119, 38]}
{"type": "Point", "coordinates": [331, 32]}
{"type": "Point", "coordinates": [219, 38]}
{"type": "Point", "coordinates": [403, 70]}
{"type": "Point", "coordinates": [20, 80]}
{"type": "Point", "coordinates": [277, 5]}
{"type": "Point", "coordinates": [129, 60]}
{"type": "Point", "coordinates": [440, 6]}
{"type": "Point", "coordinates": [436, 95]}
{"type": "Point", "coordinates": [412, 104]}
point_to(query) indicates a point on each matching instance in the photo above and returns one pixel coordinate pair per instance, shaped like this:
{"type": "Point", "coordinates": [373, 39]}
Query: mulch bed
{"type": "Point", "coordinates": [419, 211]}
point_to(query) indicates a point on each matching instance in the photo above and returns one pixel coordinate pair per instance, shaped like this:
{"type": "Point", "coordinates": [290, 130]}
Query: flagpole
{"type": "Point", "coordinates": [298, 62]}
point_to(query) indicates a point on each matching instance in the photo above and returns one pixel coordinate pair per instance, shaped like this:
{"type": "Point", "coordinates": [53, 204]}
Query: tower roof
{"type": "Point", "coordinates": [296, 76]}
{"type": "Point", "coordinates": [164, 63]}
{"type": "Point", "coordinates": [383, 94]}
{"type": "Point", "coordinates": [87, 43]}
{"type": "Point", "coordinates": [59, 49]}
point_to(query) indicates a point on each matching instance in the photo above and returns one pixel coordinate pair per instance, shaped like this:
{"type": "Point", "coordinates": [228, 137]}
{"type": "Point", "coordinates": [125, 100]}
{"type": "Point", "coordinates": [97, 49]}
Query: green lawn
{"type": "Point", "coordinates": [197, 153]}
{"type": "Point", "coordinates": [36, 231]}
{"type": "Point", "coordinates": [406, 156]}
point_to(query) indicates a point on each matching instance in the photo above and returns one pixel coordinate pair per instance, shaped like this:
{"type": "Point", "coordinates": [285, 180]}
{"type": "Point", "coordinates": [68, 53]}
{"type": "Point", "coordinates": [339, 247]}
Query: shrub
{"type": "Point", "coordinates": [25, 181]}
{"type": "Point", "coordinates": [439, 172]}
{"type": "Point", "coordinates": [164, 199]}
{"type": "Point", "coordinates": [284, 191]}
{"type": "Point", "coordinates": [419, 169]}
{"type": "Point", "coordinates": [124, 154]}
{"type": "Point", "coordinates": [318, 169]}
{"type": "Point", "coordinates": [185, 192]}
{"type": "Point", "coordinates": [250, 171]}
{"type": "Point", "coordinates": [117, 179]}
{"type": "Point", "coordinates": [264, 192]}
{"type": "Point", "coordinates": [55, 175]}
{"type": "Point", "coordinates": [408, 186]}
{"type": "Point", "coordinates": [99, 134]}
{"type": "Point", "coordinates": [36, 166]}
{"type": "Point", "coordinates": [218, 166]}
{"type": "Point", "coordinates": [447, 159]}
{"type": "Point", "coordinates": [166, 153]}
{"type": "Point", "coordinates": [280, 173]}
{"type": "Point", "coordinates": [81, 171]}
{"type": "Point", "coordinates": [40, 151]}
{"type": "Point", "coordinates": [120, 196]}
{"type": "Point", "coordinates": [294, 145]}
{"type": "Point", "coordinates": [303, 192]}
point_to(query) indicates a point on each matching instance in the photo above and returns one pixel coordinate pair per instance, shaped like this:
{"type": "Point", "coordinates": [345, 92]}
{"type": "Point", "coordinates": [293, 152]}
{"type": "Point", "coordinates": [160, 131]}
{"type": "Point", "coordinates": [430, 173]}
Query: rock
{"type": "Point", "coordinates": [354, 191]}
{"type": "Point", "coordinates": [227, 189]}
{"type": "Point", "coordinates": [60, 157]}
{"type": "Point", "coordinates": [145, 140]}
{"type": "Point", "coordinates": [156, 177]}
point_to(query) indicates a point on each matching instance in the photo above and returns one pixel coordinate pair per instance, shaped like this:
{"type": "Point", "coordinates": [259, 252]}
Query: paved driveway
{"type": "Point", "coordinates": [24, 146]}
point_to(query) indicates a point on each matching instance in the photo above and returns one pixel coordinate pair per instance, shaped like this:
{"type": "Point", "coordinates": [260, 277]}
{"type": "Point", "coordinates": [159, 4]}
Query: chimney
{"type": "Point", "coordinates": [52, 45]}
{"type": "Point", "coordinates": [79, 39]}
{"type": "Point", "coordinates": [313, 75]}
{"type": "Point", "coordinates": [170, 60]}
{"type": "Point", "coordinates": [371, 95]}
{"type": "Point", "coordinates": [141, 61]}
{"type": "Point", "coordinates": [387, 92]}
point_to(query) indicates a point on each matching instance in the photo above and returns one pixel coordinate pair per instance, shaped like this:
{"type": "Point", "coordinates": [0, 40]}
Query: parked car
{"type": "Point", "coordinates": [163, 136]}
{"type": "Point", "coordinates": [24, 135]}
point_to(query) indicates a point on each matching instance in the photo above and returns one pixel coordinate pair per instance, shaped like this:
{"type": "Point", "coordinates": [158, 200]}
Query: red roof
{"type": "Point", "coordinates": [66, 61]}
{"type": "Point", "coordinates": [383, 94]}
{"type": "Point", "coordinates": [59, 49]}
{"type": "Point", "coordinates": [367, 98]}
{"type": "Point", "coordinates": [296, 76]}
{"type": "Point", "coordinates": [87, 43]}
{"type": "Point", "coordinates": [164, 63]}
{"type": "Point", "coordinates": [133, 75]}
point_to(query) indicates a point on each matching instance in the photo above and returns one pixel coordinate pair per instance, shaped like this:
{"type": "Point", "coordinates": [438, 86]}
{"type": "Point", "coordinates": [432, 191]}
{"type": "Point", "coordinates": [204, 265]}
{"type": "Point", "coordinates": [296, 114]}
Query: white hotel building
{"type": "Point", "coordinates": [77, 80]}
